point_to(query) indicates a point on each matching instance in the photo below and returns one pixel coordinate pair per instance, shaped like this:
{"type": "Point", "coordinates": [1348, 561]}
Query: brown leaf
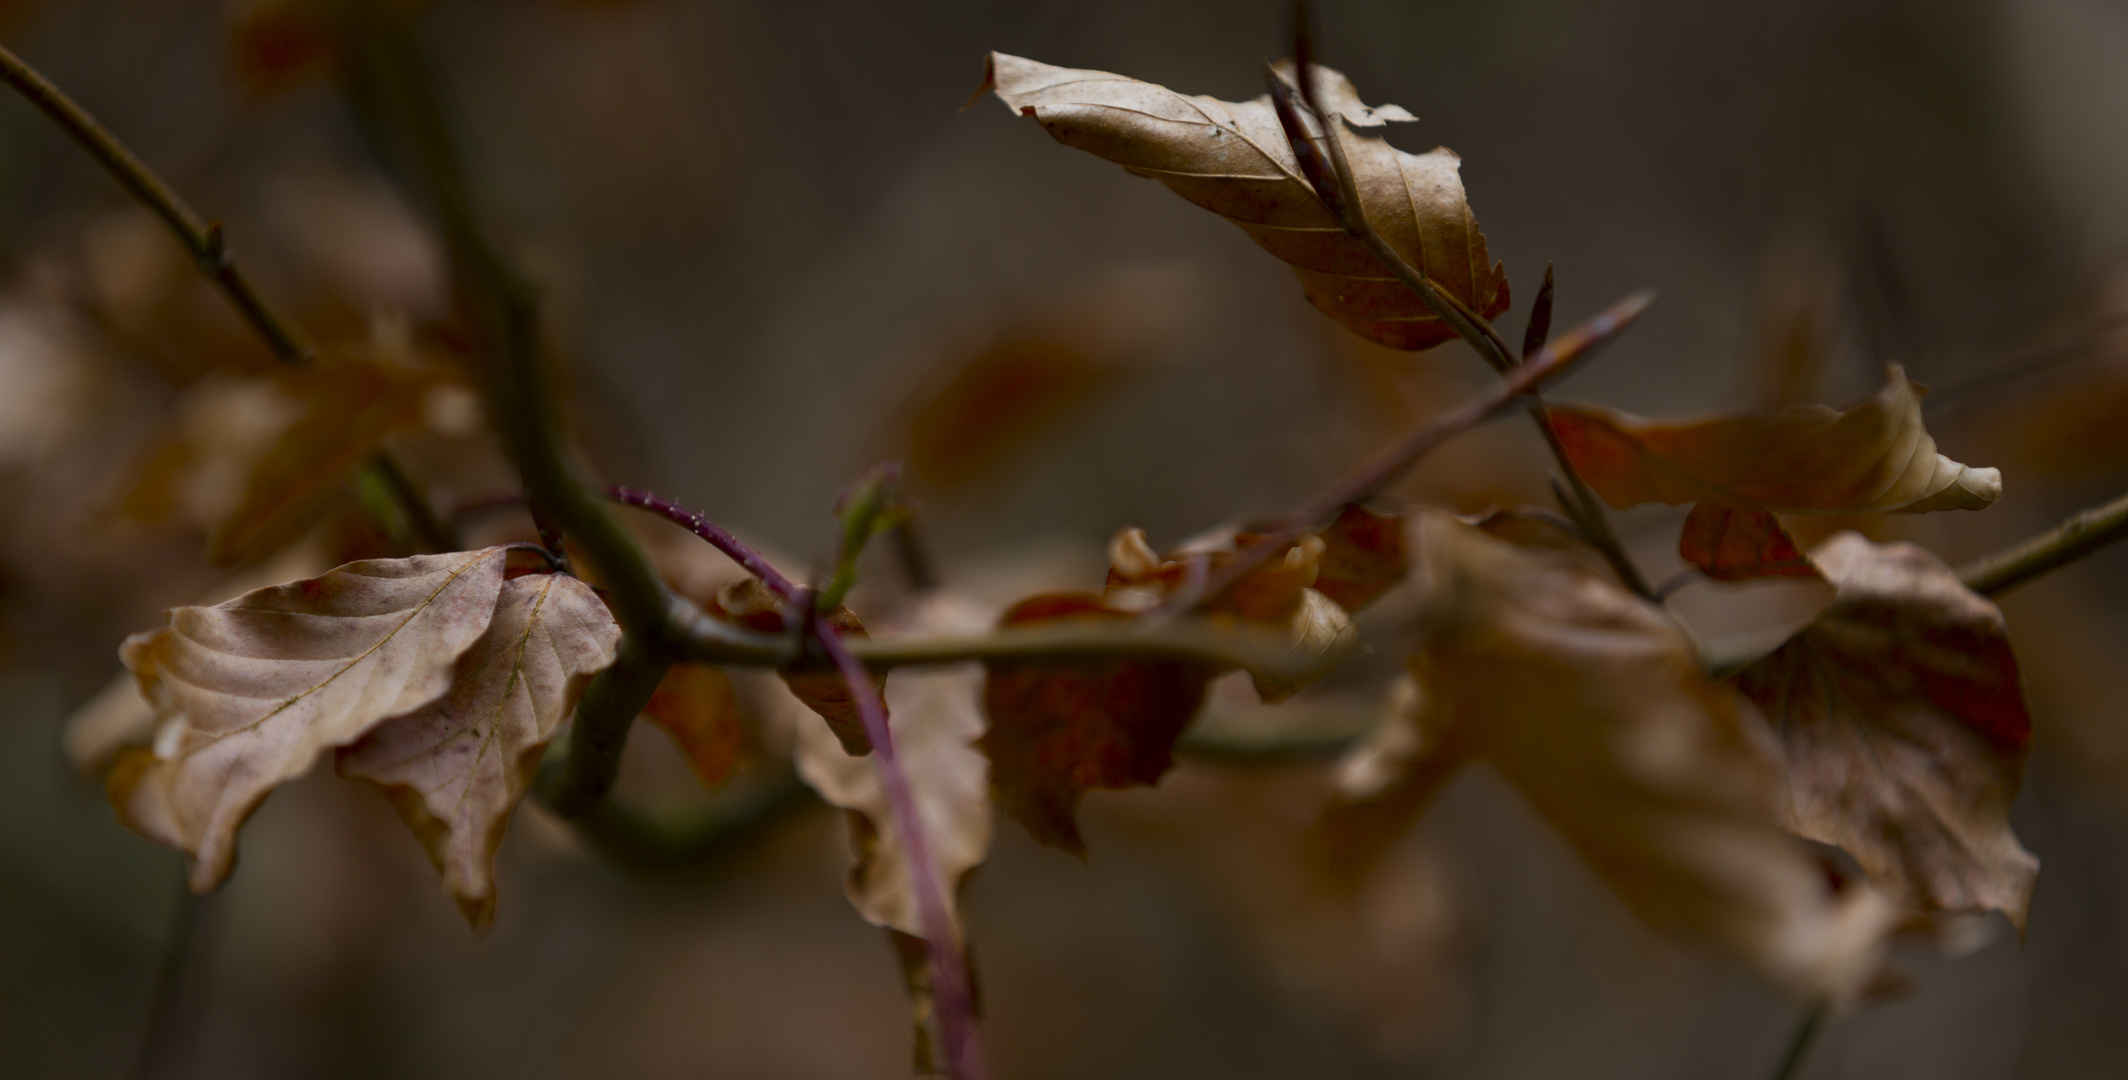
{"type": "Point", "coordinates": [1729, 543]}
{"type": "Point", "coordinates": [696, 705]}
{"type": "Point", "coordinates": [750, 604]}
{"type": "Point", "coordinates": [1875, 457]}
{"type": "Point", "coordinates": [253, 461]}
{"type": "Point", "coordinates": [1363, 557]}
{"type": "Point", "coordinates": [1059, 729]}
{"type": "Point", "coordinates": [935, 725]}
{"type": "Point", "coordinates": [249, 693]}
{"type": "Point", "coordinates": [1388, 779]}
{"type": "Point", "coordinates": [1592, 702]}
{"type": "Point", "coordinates": [455, 768]}
{"type": "Point", "coordinates": [1904, 724]}
{"type": "Point", "coordinates": [1233, 159]}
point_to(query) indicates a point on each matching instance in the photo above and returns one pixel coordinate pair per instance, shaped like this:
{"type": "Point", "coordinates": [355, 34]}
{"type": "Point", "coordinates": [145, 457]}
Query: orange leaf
{"type": "Point", "coordinates": [1733, 544]}
{"type": "Point", "coordinates": [1876, 457]}
{"type": "Point", "coordinates": [695, 704]}
{"type": "Point", "coordinates": [1059, 729]}
{"type": "Point", "coordinates": [1233, 159]}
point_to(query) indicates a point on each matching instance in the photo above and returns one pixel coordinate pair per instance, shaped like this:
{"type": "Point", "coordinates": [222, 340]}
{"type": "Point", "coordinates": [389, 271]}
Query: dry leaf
{"type": "Point", "coordinates": [1873, 458]}
{"type": "Point", "coordinates": [249, 693]}
{"type": "Point", "coordinates": [935, 724]}
{"type": "Point", "coordinates": [253, 461]}
{"type": "Point", "coordinates": [1729, 543]}
{"type": "Point", "coordinates": [697, 706]}
{"type": "Point", "coordinates": [1232, 158]}
{"type": "Point", "coordinates": [1059, 729]}
{"type": "Point", "coordinates": [1389, 778]}
{"type": "Point", "coordinates": [1363, 557]}
{"type": "Point", "coordinates": [1593, 703]}
{"type": "Point", "coordinates": [455, 767]}
{"type": "Point", "coordinates": [1905, 728]}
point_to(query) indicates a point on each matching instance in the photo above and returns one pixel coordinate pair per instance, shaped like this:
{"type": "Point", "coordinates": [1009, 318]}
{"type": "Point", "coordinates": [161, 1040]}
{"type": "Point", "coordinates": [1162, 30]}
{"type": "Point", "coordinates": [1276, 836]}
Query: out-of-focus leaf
{"type": "Point", "coordinates": [696, 705]}
{"type": "Point", "coordinates": [750, 603]}
{"type": "Point", "coordinates": [1275, 593]}
{"type": "Point", "coordinates": [935, 724]}
{"type": "Point", "coordinates": [275, 44]}
{"type": "Point", "coordinates": [1387, 780]}
{"type": "Point", "coordinates": [1729, 543]}
{"type": "Point", "coordinates": [1363, 557]}
{"type": "Point", "coordinates": [1059, 729]}
{"type": "Point", "coordinates": [1904, 724]}
{"type": "Point", "coordinates": [1233, 158]}
{"type": "Point", "coordinates": [253, 461]}
{"type": "Point", "coordinates": [1876, 457]}
{"type": "Point", "coordinates": [1592, 703]}
{"type": "Point", "coordinates": [455, 767]}
{"type": "Point", "coordinates": [249, 693]}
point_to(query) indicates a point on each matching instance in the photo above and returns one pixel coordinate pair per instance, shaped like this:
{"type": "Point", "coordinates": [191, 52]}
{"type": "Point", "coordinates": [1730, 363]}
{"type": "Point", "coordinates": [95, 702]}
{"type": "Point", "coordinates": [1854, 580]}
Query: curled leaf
{"type": "Point", "coordinates": [1363, 557]}
{"type": "Point", "coordinates": [1592, 703]}
{"type": "Point", "coordinates": [1904, 726]}
{"type": "Point", "coordinates": [1233, 158]}
{"type": "Point", "coordinates": [1876, 457]}
{"type": "Point", "coordinates": [1060, 728]}
{"type": "Point", "coordinates": [455, 767]}
{"type": "Point", "coordinates": [750, 604]}
{"type": "Point", "coordinates": [249, 693]}
{"type": "Point", "coordinates": [1732, 544]}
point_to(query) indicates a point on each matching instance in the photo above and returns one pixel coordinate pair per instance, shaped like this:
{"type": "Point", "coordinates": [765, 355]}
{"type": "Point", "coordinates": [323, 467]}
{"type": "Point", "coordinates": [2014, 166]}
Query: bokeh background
{"type": "Point", "coordinates": [774, 252]}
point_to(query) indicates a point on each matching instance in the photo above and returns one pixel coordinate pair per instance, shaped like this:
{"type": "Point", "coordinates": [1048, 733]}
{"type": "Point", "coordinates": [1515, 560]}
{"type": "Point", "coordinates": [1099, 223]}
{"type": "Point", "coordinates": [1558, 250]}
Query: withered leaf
{"type": "Point", "coordinates": [1729, 543]}
{"type": "Point", "coordinates": [1233, 159]}
{"type": "Point", "coordinates": [254, 460]}
{"type": "Point", "coordinates": [249, 693]}
{"type": "Point", "coordinates": [1876, 457]}
{"type": "Point", "coordinates": [455, 767]}
{"type": "Point", "coordinates": [1388, 779]}
{"type": "Point", "coordinates": [1904, 726]}
{"type": "Point", "coordinates": [1363, 557]}
{"type": "Point", "coordinates": [1059, 729]}
{"type": "Point", "coordinates": [935, 724]}
{"type": "Point", "coordinates": [750, 604]}
{"type": "Point", "coordinates": [1592, 703]}
{"type": "Point", "coordinates": [697, 706]}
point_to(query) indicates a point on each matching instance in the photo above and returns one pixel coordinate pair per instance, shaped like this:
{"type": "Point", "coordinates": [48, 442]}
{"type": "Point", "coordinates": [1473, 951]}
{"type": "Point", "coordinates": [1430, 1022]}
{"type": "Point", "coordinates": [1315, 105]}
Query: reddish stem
{"type": "Point", "coordinates": [949, 972]}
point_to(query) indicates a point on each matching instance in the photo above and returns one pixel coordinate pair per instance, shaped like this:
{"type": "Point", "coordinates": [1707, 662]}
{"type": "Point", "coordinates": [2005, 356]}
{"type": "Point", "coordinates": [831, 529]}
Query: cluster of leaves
{"type": "Point", "coordinates": [1891, 728]}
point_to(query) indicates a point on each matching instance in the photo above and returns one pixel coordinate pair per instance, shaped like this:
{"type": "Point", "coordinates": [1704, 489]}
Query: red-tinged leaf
{"type": "Point", "coordinates": [1059, 729]}
{"type": "Point", "coordinates": [249, 693]}
{"type": "Point", "coordinates": [696, 705]}
{"type": "Point", "coordinates": [1904, 724]}
{"type": "Point", "coordinates": [750, 604]}
{"type": "Point", "coordinates": [1363, 557]}
{"type": "Point", "coordinates": [1234, 159]}
{"type": "Point", "coordinates": [455, 768]}
{"type": "Point", "coordinates": [1876, 457]}
{"type": "Point", "coordinates": [1730, 543]}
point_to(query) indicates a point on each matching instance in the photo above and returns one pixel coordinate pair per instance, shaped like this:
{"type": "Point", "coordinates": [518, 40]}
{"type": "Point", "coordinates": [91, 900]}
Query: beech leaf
{"type": "Point", "coordinates": [697, 705]}
{"type": "Point", "coordinates": [1876, 457]}
{"type": "Point", "coordinates": [1728, 543]}
{"type": "Point", "coordinates": [1592, 702]}
{"type": "Point", "coordinates": [935, 724]}
{"type": "Point", "coordinates": [1904, 725]}
{"type": "Point", "coordinates": [1363, 557]}
{"type": "Point", "coordinates": [455, 767]}
{"type": "Point", "coordinates": [1233, 159]}
{"type": "Point", "coordinates": [249, 693]}
{"type": "Point", "coordinates": [750, 604]}
{"type": "Point", "coordinates": [1060, 728]}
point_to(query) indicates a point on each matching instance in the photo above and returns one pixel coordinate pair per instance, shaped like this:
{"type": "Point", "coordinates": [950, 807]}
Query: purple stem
{"type": "Point", "coordinates": [949, 972]}
{"type": "Point", "coordinates": [707, 530]}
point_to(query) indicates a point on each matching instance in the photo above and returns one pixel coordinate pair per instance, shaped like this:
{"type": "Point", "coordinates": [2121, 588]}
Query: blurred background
{"type": "Point", "coordinates": [774, 252]}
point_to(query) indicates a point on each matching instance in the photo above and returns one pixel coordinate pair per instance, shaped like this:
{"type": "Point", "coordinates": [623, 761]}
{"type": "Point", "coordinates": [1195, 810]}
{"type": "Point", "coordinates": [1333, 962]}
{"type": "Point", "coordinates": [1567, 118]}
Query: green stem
{"type": "Point", "coordinates": [2074, 539]}
{"type": "Point", "coordinates": [1791, 1063]}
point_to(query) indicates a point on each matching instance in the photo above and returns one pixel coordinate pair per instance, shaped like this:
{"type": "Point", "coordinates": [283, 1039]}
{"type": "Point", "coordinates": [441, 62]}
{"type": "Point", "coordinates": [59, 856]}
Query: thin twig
{"type": "Point", "coordinates": [1469, 325]}
{"type": "Point", "coordinates": [708, 530]}
{"type": "Point", "coordinates": [2073, 539]}
{"type": "Point", "coordinates": [1553, 360]}
{"type": "Point", "coordinates": [165, 1042]}
{"type": "Point", "coordinates": [1791, 1063]}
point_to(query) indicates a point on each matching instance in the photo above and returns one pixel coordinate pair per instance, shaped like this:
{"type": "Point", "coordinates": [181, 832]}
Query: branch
{"type": "Point", "coordinates": [1339, 190]}
{"type": "Point", "coordinates": [2073, 539]}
